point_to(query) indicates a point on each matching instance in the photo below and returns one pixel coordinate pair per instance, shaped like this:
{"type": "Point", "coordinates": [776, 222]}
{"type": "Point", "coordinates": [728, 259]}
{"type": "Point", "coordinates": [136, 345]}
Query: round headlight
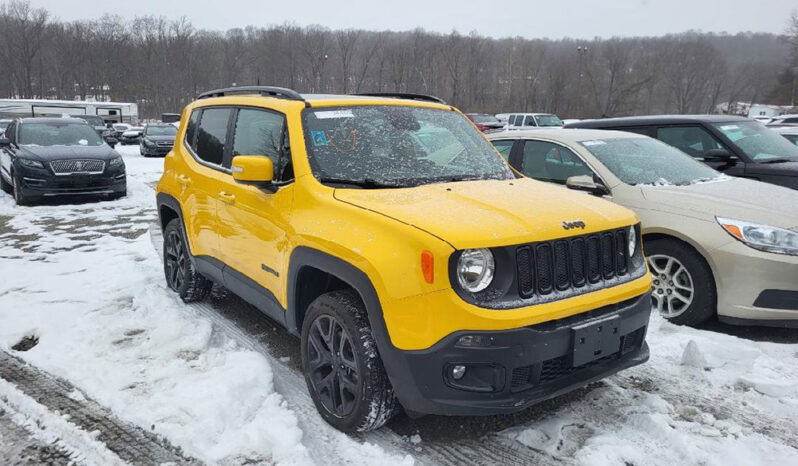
{"type": "Point", "coordinates": [632, 241]}
{"type": "Point", "coordinates": [475, 269]}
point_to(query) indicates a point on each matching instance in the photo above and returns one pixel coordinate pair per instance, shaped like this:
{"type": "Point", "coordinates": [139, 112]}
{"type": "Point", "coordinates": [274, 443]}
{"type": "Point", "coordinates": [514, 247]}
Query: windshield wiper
{"type": "Point", "coordinates": [780, 160]}
{"type": "Point", "coordinates": [361, 183]}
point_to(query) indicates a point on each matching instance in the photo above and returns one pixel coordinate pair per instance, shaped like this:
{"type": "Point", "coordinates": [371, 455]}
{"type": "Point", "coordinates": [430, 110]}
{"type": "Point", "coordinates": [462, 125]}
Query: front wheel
{"type": "Point", "coordinates": [16, 190]}
{"type": "Point", "coordinates": [344, 373]}
{"type": "Point", "coordinates": [181, 276]}
{"type": "Point", "coordinates": [683, 286]}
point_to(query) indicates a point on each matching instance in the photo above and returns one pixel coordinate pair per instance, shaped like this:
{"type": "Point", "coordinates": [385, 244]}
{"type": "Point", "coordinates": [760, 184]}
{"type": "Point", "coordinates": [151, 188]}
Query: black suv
{"type": "Point", "coordinates": [733, 145]}
{"type": "Point", "coordinates": [45, 157]}
{"type": "Point", "coordinates": [157, 140]}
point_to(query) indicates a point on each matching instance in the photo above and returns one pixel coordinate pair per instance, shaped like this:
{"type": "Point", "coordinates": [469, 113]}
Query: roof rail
{"type": "Point", "coordinates": [270, 91]}
{"type": "Point", "coordinates": [402, 95]}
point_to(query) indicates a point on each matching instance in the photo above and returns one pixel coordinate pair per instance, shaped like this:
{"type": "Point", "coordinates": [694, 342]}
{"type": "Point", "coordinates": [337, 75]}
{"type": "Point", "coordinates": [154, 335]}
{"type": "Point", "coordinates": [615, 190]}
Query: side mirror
{"type": "Point", "coordinates": [718, 155]}
{"type": "Point", "coordinates": [586, 183]}
{"type": "Point", "coordinates": [255, 170]}
{"type": "Point", "coordinates": [5, 142]}
{"type": "Point", "coordinates": [111, 141]}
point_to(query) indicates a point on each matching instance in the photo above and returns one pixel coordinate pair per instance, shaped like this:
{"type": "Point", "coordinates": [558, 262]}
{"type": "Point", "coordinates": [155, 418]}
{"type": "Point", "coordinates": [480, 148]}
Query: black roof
{"type": "Point", "coordinates": [76, 121]}
{"type": "Point", "coordinates": [651, 120]}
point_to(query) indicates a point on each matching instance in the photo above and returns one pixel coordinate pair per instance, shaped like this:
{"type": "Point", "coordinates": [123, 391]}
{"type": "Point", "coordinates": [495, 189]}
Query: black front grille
{"type": "Point", "coordinates": [571, 263]}
{"type": "Point", "coordinates": [71, 166]}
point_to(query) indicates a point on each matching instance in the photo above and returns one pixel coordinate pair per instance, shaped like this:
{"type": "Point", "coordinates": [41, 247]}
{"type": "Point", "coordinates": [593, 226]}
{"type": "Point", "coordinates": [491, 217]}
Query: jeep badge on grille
{"type": "Point", "coordinates": [573, 224]}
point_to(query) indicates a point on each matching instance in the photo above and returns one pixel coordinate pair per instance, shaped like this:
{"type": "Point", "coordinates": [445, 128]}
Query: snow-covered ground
{"type": "Point", "coordinates": [86, 280]}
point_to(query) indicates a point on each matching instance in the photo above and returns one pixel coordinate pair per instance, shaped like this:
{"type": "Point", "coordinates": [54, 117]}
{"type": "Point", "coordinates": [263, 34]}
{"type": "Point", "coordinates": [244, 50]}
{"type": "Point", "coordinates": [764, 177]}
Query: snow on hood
{"type": "Point", "coordinates": [735, 198]}
{"type": "Point", "coordinates": [492, 213]}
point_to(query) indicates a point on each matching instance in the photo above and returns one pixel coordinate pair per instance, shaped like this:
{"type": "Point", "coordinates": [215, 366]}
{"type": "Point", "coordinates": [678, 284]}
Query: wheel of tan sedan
{"type": "Point", "coordinates": [344, 374]}
{"type": "Point", "coordinates": [683, 288]}
{"type": "Point", "coordinates": [181, 276]}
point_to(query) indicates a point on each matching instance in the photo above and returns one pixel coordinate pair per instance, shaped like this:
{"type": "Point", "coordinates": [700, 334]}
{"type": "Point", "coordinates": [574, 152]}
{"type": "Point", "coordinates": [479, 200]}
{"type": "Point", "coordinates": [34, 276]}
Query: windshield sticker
{"type": "Point", "coordinates": [326, 115]}
{"type": "Point", "coordinates": [592, 143]}
{"type": "Point", "coordinates": [83, 142]}
{"type": "Point", "coordinates": [319, 138]}
{"type": "Point", "coordinates": [729, 127]}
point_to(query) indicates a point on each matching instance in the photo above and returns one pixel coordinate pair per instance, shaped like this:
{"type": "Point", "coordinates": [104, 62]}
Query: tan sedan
{"type": "Point", "coordinates": [715, 244]}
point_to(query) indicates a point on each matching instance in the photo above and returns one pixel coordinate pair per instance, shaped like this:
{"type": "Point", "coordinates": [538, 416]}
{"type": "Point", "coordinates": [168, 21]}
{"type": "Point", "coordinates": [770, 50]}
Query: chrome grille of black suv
{"type": "Point", "coordinates": [571, 263]}
{"type": "Point", "coordinates": [71, 166]}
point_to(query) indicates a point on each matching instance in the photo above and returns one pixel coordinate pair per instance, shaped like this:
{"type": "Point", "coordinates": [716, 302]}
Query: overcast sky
{"type": "Point", "coordinates": [496, 18]}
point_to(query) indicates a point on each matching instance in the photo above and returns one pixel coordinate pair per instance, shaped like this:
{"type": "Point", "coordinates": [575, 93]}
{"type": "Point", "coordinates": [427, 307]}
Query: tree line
{"type": "Point", "coordinates": [163, 64]}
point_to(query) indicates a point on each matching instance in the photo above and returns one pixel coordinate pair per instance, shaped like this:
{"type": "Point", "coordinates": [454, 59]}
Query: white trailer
{"type": "Point", "coordinates": [110, 112]}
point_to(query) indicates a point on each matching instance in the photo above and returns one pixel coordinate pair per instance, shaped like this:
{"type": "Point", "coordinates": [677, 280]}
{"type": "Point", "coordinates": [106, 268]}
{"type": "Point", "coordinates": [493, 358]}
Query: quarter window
{"type": "Point", "coordinates": [546, 161]}
{"type": "Point", "coordinates": [259, 132]}
{"type": "Point", "coordinates": [191, 130]}
{"type": "Point", "coordinates": [694, 141]}
{"type": "Point", "coordinates": [212, 135]}
{"type": "Point", "coordinates": [504, 147]}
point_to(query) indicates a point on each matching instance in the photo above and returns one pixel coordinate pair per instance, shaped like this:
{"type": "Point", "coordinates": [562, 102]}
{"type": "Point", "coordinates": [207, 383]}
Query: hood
{"type": "Point", "coordinates": [160, 138]}
{"type": "Point", "coordinates": [489, 213]}
{"type": "Point", "coordinates": [69, 152]}
{"type": "Point", "coordinates": [734, 198]}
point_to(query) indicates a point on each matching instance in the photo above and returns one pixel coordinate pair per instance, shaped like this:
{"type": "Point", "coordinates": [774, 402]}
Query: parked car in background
{"type": "Point", "coordinates": [715, 244]}
{"type": "Point", "coordinates": [131, 136]}
{"type": "Point", "coordinates": [47, 157]}
{"type": "Point", "coordinates": [157, 140]}
{"type": "Point", "coordinates": [170, 117]}
{"type": "Point", "coordinates": [518, 121]}
{"type": "Point", "coordinates": [485, 122]}
{"type": "Point", "coordinates": [783, 120]}
{"type": "Point", "coordinates": [503, 117]}
{"type": "Point", "coordinates": [734, 145]}
{"type": "Point", "coordinates": [118, 128]}
{"type": "Point", "coordinates": [790, 133]}
{"type": "Point", "coordinates": [415, 275]}
{"type": "Point", "coordinates": [3, 125]}
{"type": "Point", "coordinates": [95, 122]}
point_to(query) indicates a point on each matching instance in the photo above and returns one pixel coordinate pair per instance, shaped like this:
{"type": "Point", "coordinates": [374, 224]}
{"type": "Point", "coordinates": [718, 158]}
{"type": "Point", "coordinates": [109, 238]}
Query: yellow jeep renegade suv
{"type": "Point", "coordinates": [416, 267]}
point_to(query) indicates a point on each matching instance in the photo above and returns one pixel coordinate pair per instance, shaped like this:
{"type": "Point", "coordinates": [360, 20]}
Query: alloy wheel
{"type": "Point", "coordinates": [176, 260]}
{"type": "Point", "coordinates": [333, 369]}
{"type": "Point", "coordinates": [673, 287]}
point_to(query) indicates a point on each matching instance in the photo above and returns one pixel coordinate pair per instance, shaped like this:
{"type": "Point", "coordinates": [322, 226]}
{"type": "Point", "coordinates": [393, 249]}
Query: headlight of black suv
{"type": "Point", "coordinates": [30, 163]}
{"type": "Point", "coordinates": [116, 162]}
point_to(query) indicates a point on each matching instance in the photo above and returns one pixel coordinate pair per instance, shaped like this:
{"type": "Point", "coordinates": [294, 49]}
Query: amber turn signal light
{"type": "Point", "coordinates": [428, 266]}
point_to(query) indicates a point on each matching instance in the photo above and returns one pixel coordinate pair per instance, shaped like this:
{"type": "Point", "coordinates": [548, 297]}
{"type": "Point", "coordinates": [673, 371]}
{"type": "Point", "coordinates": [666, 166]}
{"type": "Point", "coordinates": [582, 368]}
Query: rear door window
{"type": "Point", "coordinates": [694, 141]}
{"type": "Point", "coordinates": [530, 121]}
{"type": "Point", "coordinates": [212, 135]}
{"type": "Point", "coordinates": [546, 161]}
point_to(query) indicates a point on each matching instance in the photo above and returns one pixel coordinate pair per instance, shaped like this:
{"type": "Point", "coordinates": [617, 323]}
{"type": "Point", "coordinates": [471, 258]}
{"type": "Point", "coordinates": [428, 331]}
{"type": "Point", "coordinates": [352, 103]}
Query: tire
{"type": "Point", "coordinates": [370, 401]}
{"type": "Point", "coordinates": [179, 271]}
{"type": "Point", "coordinates": [5, 185]}
{"type": "Point", "coordinates": [19, 198]}
{"type": "Point", "coordinates": [677, 268]}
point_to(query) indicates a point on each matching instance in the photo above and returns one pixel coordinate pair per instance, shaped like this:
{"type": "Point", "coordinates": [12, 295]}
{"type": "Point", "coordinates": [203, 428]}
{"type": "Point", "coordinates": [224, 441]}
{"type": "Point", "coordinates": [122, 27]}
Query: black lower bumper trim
{"type": "Point", "coordinates": [779, 323]}
{"type": "Point", "coordinates": [521, 367]}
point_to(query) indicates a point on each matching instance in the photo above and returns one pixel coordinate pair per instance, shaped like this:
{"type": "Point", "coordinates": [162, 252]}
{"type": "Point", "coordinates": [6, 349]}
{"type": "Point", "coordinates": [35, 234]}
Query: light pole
{"type": "Point", "coordinates": [581, 50]}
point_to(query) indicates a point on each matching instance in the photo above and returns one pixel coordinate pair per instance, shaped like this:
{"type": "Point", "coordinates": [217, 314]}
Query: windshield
{"type": "Point", "coordinates": [161, 131]}
{"type": "Point", "coordinates": [485, 119]}
{"type": "Point", "coordinates": [398, 146]}
{"type": "Point", "coordinates": [548, 120]}
{"type": "Point", "coordinates": [756, 141]}
{"type": "Point", "coordinates": [646, 161]}
{"type": "Point", "coordinates": [91, 119]}
{"type": "Point", "coordinates": [58, 134]}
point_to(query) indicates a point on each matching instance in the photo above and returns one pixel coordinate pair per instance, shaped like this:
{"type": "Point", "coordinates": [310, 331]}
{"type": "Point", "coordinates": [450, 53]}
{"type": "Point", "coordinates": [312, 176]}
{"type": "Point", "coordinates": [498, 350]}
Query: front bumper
{"type": "Point", "coordinates": [155, 150]}
{"type": "Point", "coordinates": [40, 183]}
{"type": "Point", "coordinates": [522, 366]}
{"type": "Point", "coordinates": [755, 287]}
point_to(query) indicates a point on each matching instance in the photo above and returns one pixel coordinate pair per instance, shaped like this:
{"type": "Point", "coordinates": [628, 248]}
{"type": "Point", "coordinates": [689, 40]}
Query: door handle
{"type": "Point", "coordinates": [184, 180]}
{"type": "Point", "coordinates": [227, 198]}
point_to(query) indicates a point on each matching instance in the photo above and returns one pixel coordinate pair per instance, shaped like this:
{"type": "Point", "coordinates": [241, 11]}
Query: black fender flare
{"type": "Point", "coordinates": [392, 357]}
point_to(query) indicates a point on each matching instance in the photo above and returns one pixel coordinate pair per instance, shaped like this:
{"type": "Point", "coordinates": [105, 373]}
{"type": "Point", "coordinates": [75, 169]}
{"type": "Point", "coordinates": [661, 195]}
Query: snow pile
{"type": "Point", "coordinates": [703, 398]}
